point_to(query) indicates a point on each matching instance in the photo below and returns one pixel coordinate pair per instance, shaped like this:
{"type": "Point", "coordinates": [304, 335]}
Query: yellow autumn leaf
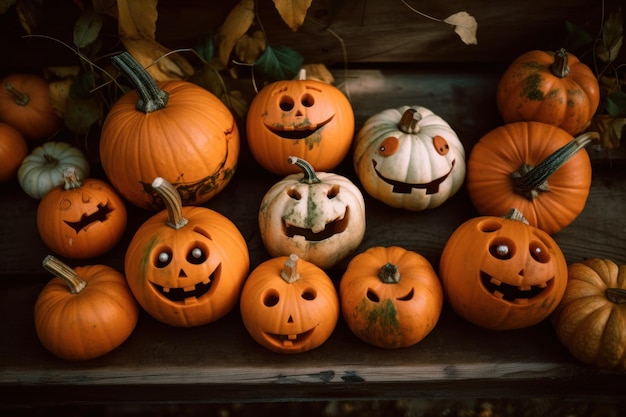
{"type": "Point", "coordinates": [465, 26]}
{"type": "Point", "coordinates": [235, 26]}
{"type": "Point", "coordinates": [136, 29]}
{"type": "Point", "coordinates": [293, 12]}
{"type": "Point", "coordinates": [249, 48]}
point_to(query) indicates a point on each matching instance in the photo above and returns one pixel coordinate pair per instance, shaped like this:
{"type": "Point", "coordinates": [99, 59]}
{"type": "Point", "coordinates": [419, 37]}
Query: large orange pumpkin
{"type": "Point", "coordinates": [538, 168]}
{"type": "Point", "coordinates": [172, 129]}
{"type": "Point", "coordinates": [549, 87]}
{"type": "Point", "coordinates": [186, 265]}
{"type": "Point", "coordinates": [309, 119]}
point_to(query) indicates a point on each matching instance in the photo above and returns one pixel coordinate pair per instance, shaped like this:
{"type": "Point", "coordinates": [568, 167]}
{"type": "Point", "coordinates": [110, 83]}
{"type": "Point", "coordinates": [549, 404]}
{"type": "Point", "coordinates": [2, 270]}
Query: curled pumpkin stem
{"type": "Point", "coordinates": [71, 179]}
{"type": "Point", "coordinates": [173, 202]}
{"type": "Point", "coordinates": [616, 295]}
{"type": "Point", "coordinates": [75, 283]}
{"type": "Point", "coordinates": [20, 98]}
{"type": "Point", "coordinates": [389, 274]}
{"type": "Point", "coordinates": [309, 173]}
{"type": "Point", "coordinates": [409, 122]}
{"type": "Point", "coordinates": [560, 66]}
{"type": "Point", "coordinates": [531, 181]}
{"type": "Point", "coordinates": [290, 270]}
{"type": "Point", "coordinates": [151, 97]}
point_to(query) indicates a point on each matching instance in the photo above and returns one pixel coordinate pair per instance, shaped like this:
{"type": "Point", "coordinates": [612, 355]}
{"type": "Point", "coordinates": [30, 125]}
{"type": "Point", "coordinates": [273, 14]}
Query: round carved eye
{"type": "Point", "coordinates": [309, 294]}
{"type": "Point", "coordinates": [372, 296]}
{"type": "Point", "coordinates": [389, 146]}
{"type": "Point", "coordinates": [270, 299]}
{"type": "Point", "coordinates": [441, 145]}
{"type": "Point", "coordinates": [196, 256]}
{"type": "Point", "coordinates": [163, 258]}
{"type": "Point", "coordinates": [502, 249]}
{"type": "Point", "coordinates": [307, 100]}
{"type": "Point", "coordinates": [286, 103]}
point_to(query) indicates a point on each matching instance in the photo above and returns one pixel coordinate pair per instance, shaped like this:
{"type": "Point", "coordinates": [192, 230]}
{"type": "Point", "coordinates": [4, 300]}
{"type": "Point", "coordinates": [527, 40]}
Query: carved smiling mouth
{"type": "Point", "coordinates": [301, 131]}
{"type": "Point", "coordinates": [187, 295]}
{"type": "Point", "coordinates": [87, 219]}
{"type": "Point", "coordinates": [406, 188]}
{"type": "Point", "coordinates": [512, 293]}
{"type": "Point", "coordinates": [336, 226]}
{"type": "Point", "coordinates": [289, 340]}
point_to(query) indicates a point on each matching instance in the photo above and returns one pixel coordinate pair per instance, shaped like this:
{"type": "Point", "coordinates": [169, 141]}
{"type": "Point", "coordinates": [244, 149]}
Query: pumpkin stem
{"type": "Point", "coordinates": [515, 214]}
{"type": "Point", "coordinates": [301, 74]}
{"type": "Point", "coordinates": [20, 98]}
{"type": "Point", "coordinates": [560, 67]}
{"type": "Point", "coordinates": [72, 181]}
{"type": "Point", "coordinates": [616, 295]}
{"type": "Point", "coordinates": [290, 270]}
{"type": "Point", "coordinates": [151, 97]}
{"type": "Point", "coordinates": [67, 274]}
{"type": "Point", "coordinates": [530, 181]}
{"type": "Point", "coordinates": [173, 202]}
{"type": "Point", "coordinates": [309, 173]}
{"type": "Point", "coordinates": [409, 122]}
{"type": "Point", "coordinates": [389, 274]}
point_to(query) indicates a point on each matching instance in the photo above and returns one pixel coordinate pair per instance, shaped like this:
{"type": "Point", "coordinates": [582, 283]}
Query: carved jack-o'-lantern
{"type": "Point", "coordinates": [289, 305]}
{"type": "Point", "coordinates": [409, 158]}
{"type": "Point", "coordinates": [186, 265]}
{"type": "Point", "coordinates": [310, 119]}
{"type": "Point", "coordinates": [318, 216]}
{"type": "Point", "coordinates": [81, 219]}
{"type": "Point", "coordinates": [502, 273]}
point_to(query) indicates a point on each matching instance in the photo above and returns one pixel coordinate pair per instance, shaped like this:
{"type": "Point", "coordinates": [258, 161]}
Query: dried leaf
{"type": "Point", "coordinates": [249, 48]}
{"type": "Point", "coordinates": [612, 38]}
{"type": "Point", "coordinates": [5, 5]}
{"type": "Point", "coordinates": [87, 28]}
{"type": "Point", "coordinates": [60, 95]}
{"type": "Point", "coordinates": [137, 27]}
{"type": "Point", "coordinates": [465, 26]}
{"type": "Point", "coordinates": [235, 26]}
{"type": "Point", "coordinates": [292, 12]}
{"type": "Point", "coordinates": [30, 13]}
{"type": "Point", "coordinates": [610, 130]}
{"type": "Point", "coordinates": [318, 72]}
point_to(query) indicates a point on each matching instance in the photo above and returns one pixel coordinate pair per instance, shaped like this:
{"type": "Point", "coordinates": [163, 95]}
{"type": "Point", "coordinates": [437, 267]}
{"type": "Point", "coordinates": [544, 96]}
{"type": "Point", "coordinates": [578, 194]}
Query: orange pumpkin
{"type": "Point", "coordinates": [549, 87]}
{"type": "Point", "coordinates": [81, 219]}
{"type": "Point", "coordinates": [84, 313]}
{"type": "Point", "coordinates": [25, 104]}
{"type": "Point", "coordinates": [500, 273]}
{"type": "Point", "coordinates": [13, 150]}
{"type": "Point", "coordinates": [186, 265]}
{"type": "Point", "coordinates": [289, 305]}
{"type": "Point", "coordinates": [538, 168]}
{"type": "Point", "coordinates": [390, 297]}
{"type": "Point", "coordinates": [309, 119]}
{"type": "Point", "coordinates": [174, 129]}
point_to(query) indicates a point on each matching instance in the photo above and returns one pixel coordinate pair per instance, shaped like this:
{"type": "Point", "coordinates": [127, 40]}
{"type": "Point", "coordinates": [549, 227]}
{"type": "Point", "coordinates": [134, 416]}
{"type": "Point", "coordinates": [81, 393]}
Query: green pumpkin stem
{"type": "Point", "coordinates": [309, 173]}
{"type": "Point", "coordinates": [20, 98]}
{"type": "Point", "coordinates": [616, 295]}
{"type": "Point", "coordinates": [67, 274]}
{"type": "Point", "coordinates": [389, 274]}
{"type": "Point", "coordinates": [530, 181]}
{"type": "Point", "coordinates": [173, 202]}
{"type": "Point", "coordinates": [560, 66]}
{"type": "Point", "coordinates": [151, 97]}
{"type": "Point", "coordinates": [290, 269]}
{"type": "Point", "coordinates": [71, 180]}
{"type": "Point", "coordinates": [409, 122]}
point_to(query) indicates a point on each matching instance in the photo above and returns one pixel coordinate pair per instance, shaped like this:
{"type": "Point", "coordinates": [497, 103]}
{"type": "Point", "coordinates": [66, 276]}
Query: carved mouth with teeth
{"type": "Point", "coordinates": [289, 340]}
{"type": "Point", "coordinates": [400, 187]}
{"type": "Point", "coordinates": [512, 293]}
{"type": "Point", "coordinates": [296, 132]}
{"type": "Point", "coordinates": [332, 228]}
{"type": "Point", "coordinates": [187, 294]}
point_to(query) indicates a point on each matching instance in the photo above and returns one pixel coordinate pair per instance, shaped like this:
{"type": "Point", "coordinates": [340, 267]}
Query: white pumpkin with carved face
{"type": "Point", "coordinates": [319, 217]}
{"type": "Point", "coordinates": [409, 158]}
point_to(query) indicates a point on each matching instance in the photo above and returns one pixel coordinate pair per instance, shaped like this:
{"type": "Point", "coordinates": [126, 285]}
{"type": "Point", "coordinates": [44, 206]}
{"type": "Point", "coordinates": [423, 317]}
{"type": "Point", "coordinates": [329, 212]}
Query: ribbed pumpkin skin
{"type": "Point", "coordinates": [528, 91]}
{"type": "Point", "coordinates": [318, 112]}
{"type": "Point", "coordinates": [13, 149]}
{"type": "Point", "coordinates": [591, 326]}
{"type": "Point", "coordinates": [405, 312]}
{"type": "Point", "coordinates": [84, 326]}
{"type": "Point", "coordinates": [227, 262]}
{"type": "Point", "coordinates": [503, 151]}
{"type": "Point", "coordinates": [193, 143]}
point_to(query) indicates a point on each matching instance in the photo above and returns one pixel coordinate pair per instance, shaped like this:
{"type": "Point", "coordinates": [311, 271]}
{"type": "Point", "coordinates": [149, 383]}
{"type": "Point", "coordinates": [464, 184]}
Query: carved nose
{"type": "Point", "coordinates": [181, 274]}
{"type": "Point", "coordinates": [290, 320]}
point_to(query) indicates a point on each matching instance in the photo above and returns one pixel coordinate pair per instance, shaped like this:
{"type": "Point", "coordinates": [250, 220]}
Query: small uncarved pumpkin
{"type": "Point", "coordinates": [84, 313]}
{"type": "Point", "coordinates": [535, 167]}
{"type": "Point", "coordinates": [186, 265]}
{"type": "Point", "coordinates": [289, 305]}
{"type": "Point", "coordinates": [591, 318]}
{"type": "Point", "coordinates": [549, 87]}
{"type": "Point", "coordinates": [13, 150]}
{"type": "Point", "coordinates": [318, 216]}
{"type": "Point", "coordinates": [81, 219]}
{"type": "Point", "coordinates": [409, 158]}
{"type": "Point", "coordinates": [309, 119]}
{"type": "Point", "coordinates": [390, 297]}
{"type": "Point", "coordinates": [25, 104]}
{"type": "Point", "coordinates": [172, 129]}
{"type": "Point", "coordinates": [500, 273]}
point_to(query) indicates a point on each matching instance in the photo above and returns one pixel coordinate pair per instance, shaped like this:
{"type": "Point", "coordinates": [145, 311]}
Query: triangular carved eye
{"type": "Point", "coordinates": [406, 297]}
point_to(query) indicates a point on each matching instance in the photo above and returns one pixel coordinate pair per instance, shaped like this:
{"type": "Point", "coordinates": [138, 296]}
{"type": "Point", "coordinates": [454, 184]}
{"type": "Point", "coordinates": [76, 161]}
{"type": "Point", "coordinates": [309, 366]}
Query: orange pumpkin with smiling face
{"type": "Point", "coordinates": [305, 118]}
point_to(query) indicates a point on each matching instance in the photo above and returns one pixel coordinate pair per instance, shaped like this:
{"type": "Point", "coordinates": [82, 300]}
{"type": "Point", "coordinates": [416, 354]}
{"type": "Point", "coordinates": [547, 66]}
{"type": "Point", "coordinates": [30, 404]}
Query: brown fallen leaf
{"type": "Point", "coordinates": [465, 26]}
{"type": "Point", "coordinates": [249, 48]}
{"type": "Point", "coordinates": [237, 23]}
{"type": "Point", "coordinates": [293, 12]}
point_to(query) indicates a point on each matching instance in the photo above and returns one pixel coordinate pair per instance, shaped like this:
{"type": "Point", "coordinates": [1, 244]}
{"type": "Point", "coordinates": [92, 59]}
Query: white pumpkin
{"type": "Point", "coordinates": [43, 168]}
{"type": "Point", "coordinates": [320, 217]}
{"type": "Point", "coordinates": [409, 158]}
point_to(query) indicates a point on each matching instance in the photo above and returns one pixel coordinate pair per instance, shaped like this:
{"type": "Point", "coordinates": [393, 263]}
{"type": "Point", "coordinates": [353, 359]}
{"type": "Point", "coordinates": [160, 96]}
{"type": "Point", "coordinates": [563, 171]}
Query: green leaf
{"type": "Point", "coordinates": [82, 85]}
{"type": "Point", "coordinates": [205, 48]}
{"type": "Point", "coordinates": [576, 37]}
{"type": "Point", "coordinates": [81, 114]}
{"type": "Point", "coordinates": [279, 63]}
{"type": "Point", "coordinates": [87, 28]}
{"type": "Point", "coordinates": [616, 104]}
